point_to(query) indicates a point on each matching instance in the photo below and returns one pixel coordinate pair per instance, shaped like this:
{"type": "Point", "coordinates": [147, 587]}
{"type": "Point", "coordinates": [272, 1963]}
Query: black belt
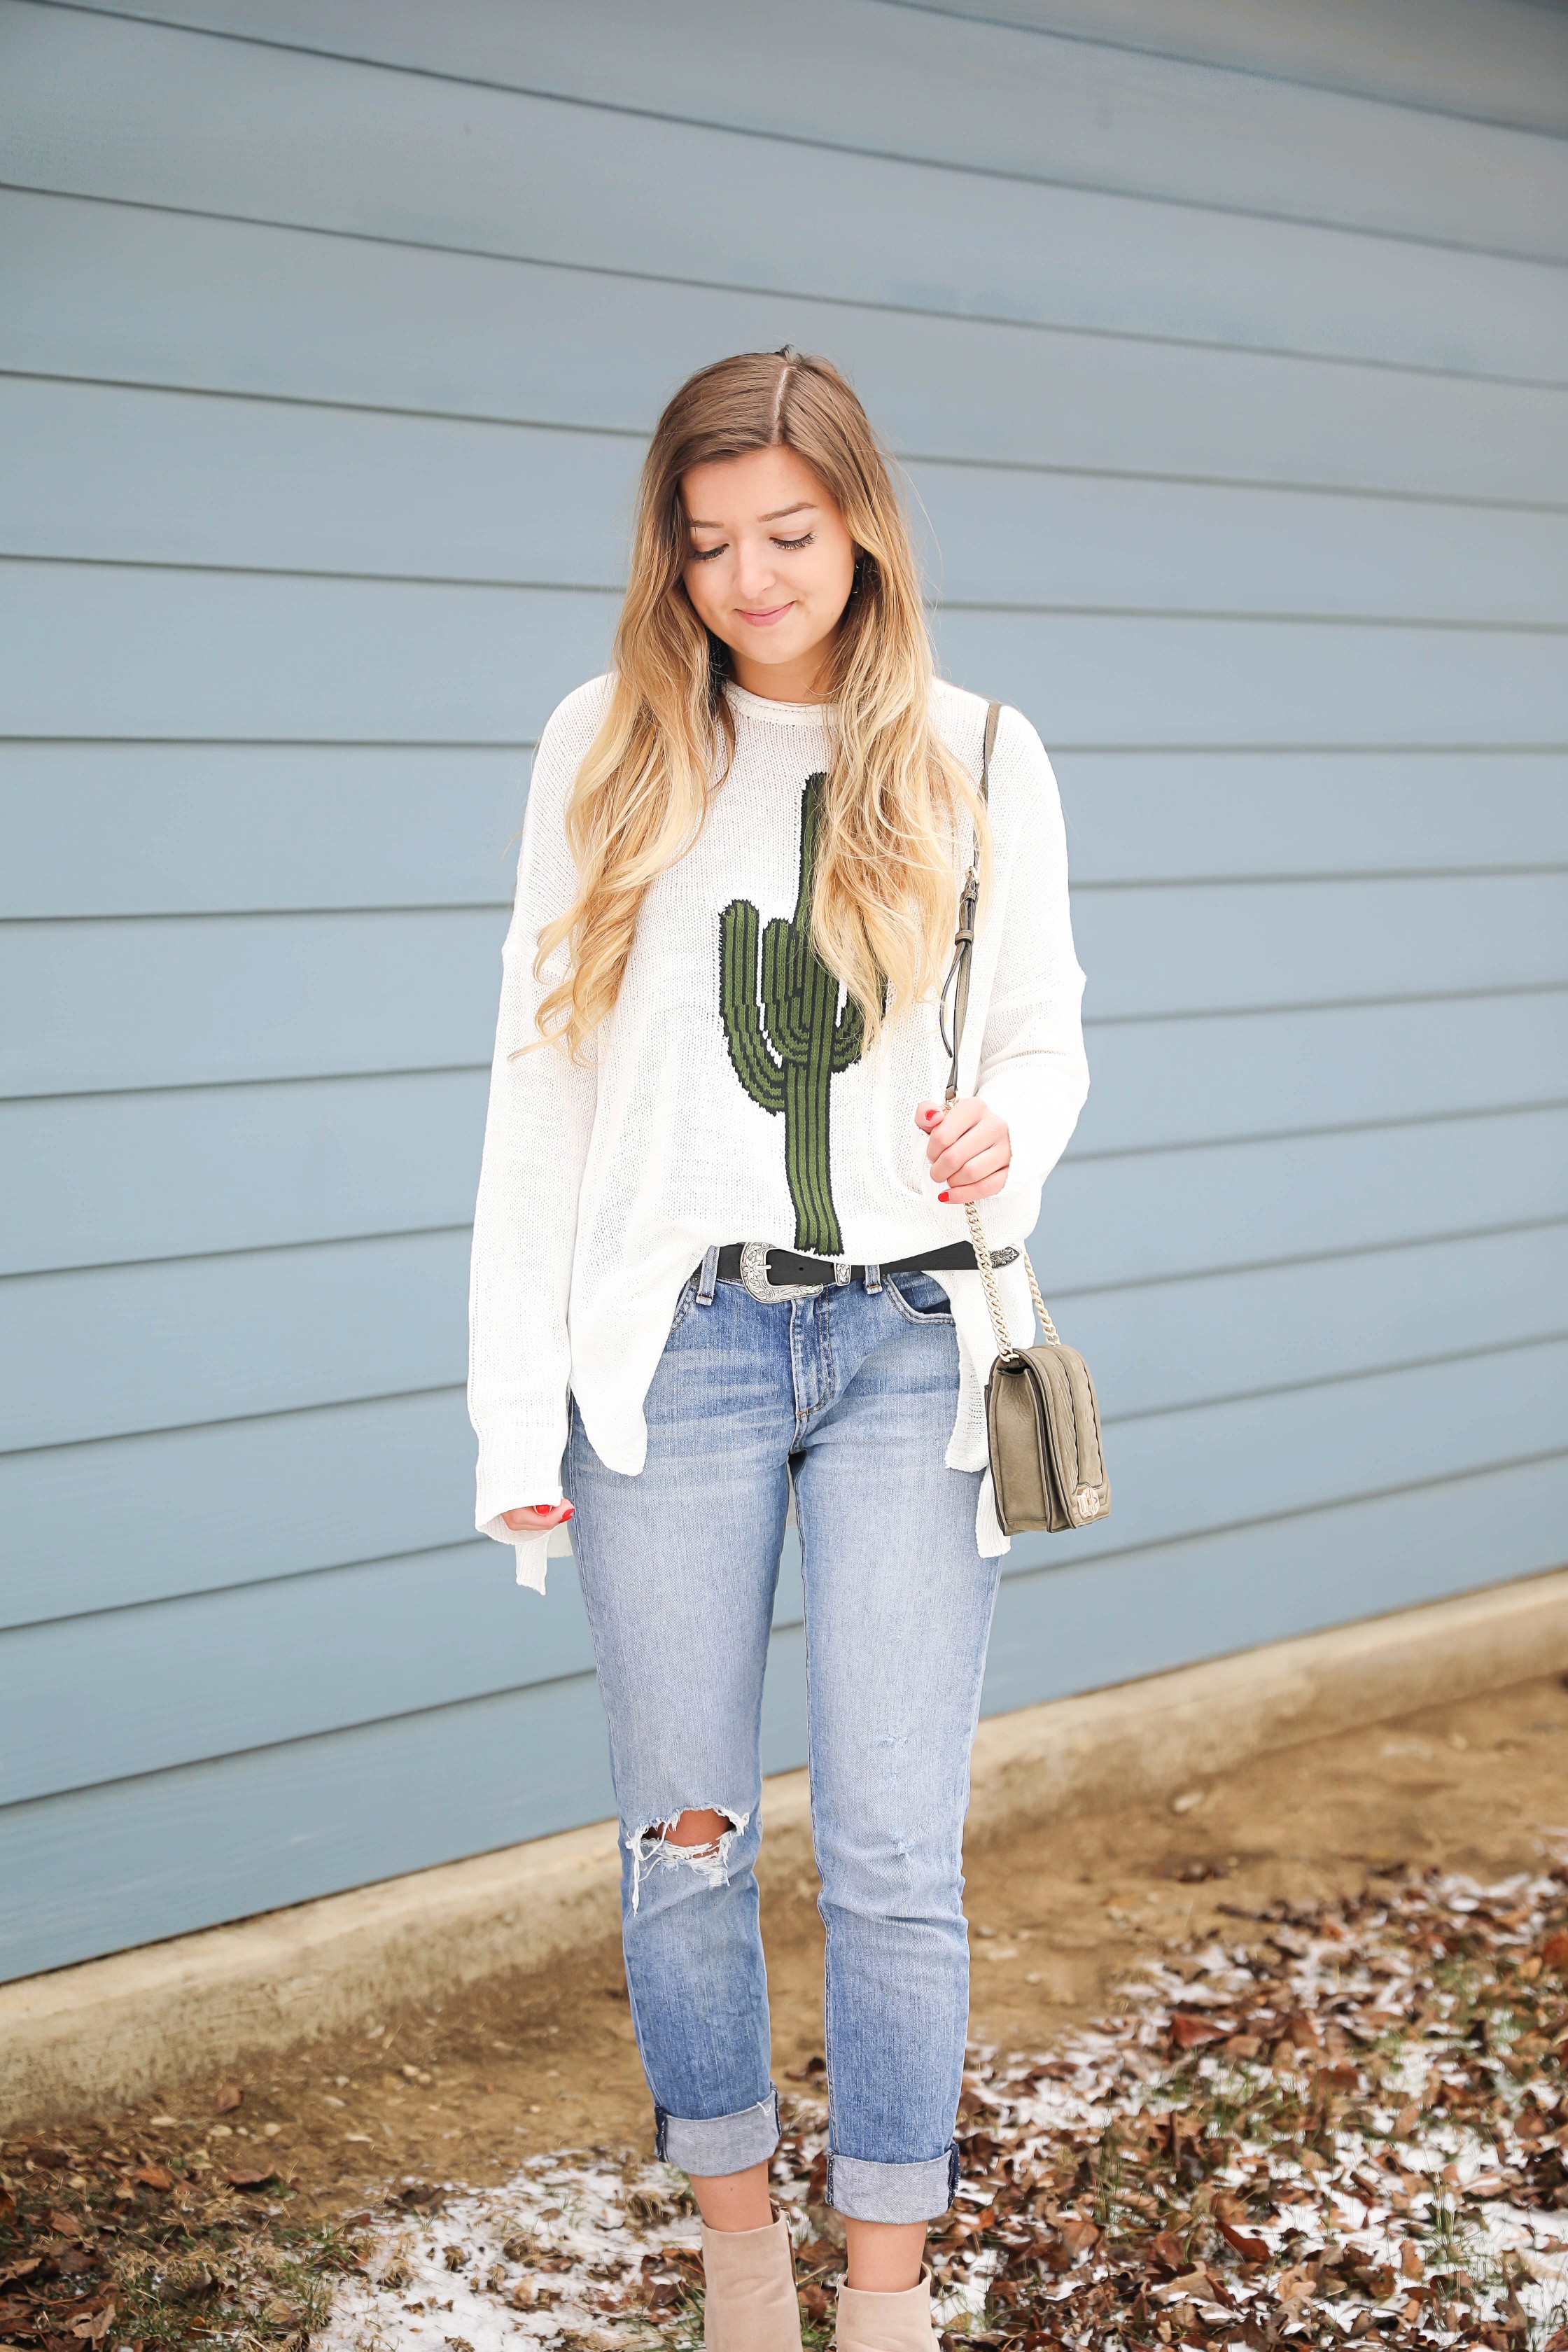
{"type": "Point", "coordinates": [784, 1270]}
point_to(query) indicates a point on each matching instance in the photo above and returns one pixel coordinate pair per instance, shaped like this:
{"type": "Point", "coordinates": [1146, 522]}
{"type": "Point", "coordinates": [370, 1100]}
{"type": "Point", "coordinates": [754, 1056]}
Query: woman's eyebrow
{"type": "Point", "coordinates": [801, 506]}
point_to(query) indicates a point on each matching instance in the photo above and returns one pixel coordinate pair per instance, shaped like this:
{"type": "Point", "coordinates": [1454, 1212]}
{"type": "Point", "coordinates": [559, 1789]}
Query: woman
{"type": "Point", "coordinates": [719, 1249]}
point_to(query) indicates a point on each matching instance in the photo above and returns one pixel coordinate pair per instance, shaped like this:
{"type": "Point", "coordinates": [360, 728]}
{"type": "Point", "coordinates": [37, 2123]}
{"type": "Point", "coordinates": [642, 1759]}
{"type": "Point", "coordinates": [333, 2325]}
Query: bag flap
{"type": "Point", "coordinates": [1071, 1415]}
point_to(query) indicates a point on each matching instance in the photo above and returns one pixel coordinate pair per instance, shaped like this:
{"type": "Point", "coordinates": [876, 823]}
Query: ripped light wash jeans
{"type": "Point", "coordinates": [853, 1391]}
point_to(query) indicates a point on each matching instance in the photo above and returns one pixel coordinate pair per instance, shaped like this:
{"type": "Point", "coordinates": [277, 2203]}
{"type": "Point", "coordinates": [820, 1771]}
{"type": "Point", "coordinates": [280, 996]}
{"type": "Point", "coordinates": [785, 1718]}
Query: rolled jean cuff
{"type": "Point", "coordinates": [722, 2143]}
{"type": "Point", "coordinates": [892, 2192]}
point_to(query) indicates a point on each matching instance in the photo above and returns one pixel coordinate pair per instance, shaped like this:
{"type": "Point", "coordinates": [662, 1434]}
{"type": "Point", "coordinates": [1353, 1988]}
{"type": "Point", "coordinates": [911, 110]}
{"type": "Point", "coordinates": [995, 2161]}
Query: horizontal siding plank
{"type": "Point", "coordinates": [1166, 1082]}
{"type": "Point", "coordinates": [1167, 1349]}
{"type": "Point", "coordinates": [1504, 63]}
{"type": "Point", "coordinates": [1049, 540]}
{"type": "Point", "coordinates": [102, 1179]}
{"type": "Point", "coordinates": [1187, 681]}
{"type": "Point", "coordinates": [1204, 946]}
{"type": "Point", "coordinates": [151, 829]}
{"type": "Point", "coordinates": [143, 1690]}
{"type": "Point", "coordinates": [106, 1178]}
{"type": "Point", "coordinates": [239, 1502]}
{"type": "Point", "coordinates": [95, 290]}
{"type": "Point", "coordinates": [1172, 816]}
{"type": "Point", "coordinates": [140, 477]}
{"type": "Point", "coordinates": [232, 1503]}
{"type": "Point", "coordinates": [283, 996]}
{"type": "Point", "coordinates": [1158, 1214]}
{"type": "Point", "coordinates": [117, 474]}
{"type": "Point", "coordinates": [184, 655]}
{"type": "Point", "coordinates": [162, 1345]}
{"type": "Point", "coordinates": [154, 829]}
{"type": "Point", "coordinates": [150, 1858]}
{"type": "Point", "coordinates": [979, 94]}
{"type": "Point", "coordinates": [205, 1677]}
{"type": "Point", "coordinates": [333, 146]}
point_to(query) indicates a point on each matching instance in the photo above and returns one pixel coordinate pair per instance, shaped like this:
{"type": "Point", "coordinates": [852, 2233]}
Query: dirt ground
{"type": "Point", "coordinates": [463, 2091]}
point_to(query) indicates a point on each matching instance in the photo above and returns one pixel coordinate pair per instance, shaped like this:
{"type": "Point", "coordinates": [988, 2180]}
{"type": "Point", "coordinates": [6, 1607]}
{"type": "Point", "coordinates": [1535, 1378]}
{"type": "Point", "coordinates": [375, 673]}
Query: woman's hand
{"type": "Point", "coordinates": [968, 1146]}
{"type": "Point", "coordinates": [537, 1518]}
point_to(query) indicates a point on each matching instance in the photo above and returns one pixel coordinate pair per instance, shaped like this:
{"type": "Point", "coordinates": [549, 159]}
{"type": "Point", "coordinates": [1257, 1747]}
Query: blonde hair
{"type": "Point", "coordinates": [883, 894]}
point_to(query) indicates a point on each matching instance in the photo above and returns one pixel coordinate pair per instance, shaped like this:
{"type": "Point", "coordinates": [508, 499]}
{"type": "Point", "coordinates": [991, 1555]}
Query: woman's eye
{"type": "Point", "coordinates": [706, 554]}
{"type": "Point", "coordinates": [791, 544]}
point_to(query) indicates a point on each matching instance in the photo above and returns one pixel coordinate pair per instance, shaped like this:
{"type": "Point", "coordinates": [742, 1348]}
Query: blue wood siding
{"type": "Point", "coordinates": [1225, 349]}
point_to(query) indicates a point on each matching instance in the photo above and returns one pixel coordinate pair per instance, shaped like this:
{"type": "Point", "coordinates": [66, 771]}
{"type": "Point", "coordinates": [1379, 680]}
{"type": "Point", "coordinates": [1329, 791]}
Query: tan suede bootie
{"type": "Point", "coordinates": [886, 2323]}
{"type": "Point", "coordinates": [750, 2304]}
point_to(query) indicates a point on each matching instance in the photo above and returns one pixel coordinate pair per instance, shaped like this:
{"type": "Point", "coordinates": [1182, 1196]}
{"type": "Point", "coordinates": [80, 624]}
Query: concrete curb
{"type": "Point", "coordinates": [111, 2031]}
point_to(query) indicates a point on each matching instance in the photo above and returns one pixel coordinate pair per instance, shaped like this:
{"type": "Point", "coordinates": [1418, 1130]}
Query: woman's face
{"type": "Point", "coordinates": [770, 568]}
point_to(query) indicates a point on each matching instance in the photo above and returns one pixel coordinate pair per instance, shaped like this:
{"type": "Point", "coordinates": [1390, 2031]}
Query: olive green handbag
{"type": "Point", "coordinates": [1042, 1418]}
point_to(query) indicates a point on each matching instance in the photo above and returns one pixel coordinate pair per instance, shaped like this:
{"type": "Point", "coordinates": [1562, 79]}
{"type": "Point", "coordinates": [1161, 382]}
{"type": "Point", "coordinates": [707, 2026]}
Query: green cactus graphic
{"type": "Point", "coordinates": [787, 1048]}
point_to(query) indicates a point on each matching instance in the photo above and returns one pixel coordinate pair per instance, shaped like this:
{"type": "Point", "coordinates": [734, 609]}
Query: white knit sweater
{"type": "Point", "coordinates": [603, 1182]}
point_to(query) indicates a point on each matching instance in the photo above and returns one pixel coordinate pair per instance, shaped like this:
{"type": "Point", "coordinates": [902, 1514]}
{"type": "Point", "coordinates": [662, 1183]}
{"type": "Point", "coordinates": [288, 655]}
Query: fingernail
{"type": "Point", "coordinates": [942, 1196]}
{"type": "Point", "coordinates": [566, 1515]}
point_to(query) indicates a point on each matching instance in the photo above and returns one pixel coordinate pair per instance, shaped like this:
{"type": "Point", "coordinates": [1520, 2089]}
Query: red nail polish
{"type": "Point", "coordinates": [566, 1515]}
{"type": "Point", "coordinates": [942, 1196]}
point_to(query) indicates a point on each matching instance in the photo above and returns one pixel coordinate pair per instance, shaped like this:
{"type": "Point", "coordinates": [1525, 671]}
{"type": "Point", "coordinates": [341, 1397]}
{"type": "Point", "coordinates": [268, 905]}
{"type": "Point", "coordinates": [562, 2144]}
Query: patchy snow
{"type": "Point", "coordinates": [564, 2253]}
{"type": "Point", "coordinates": [1353, 2120]}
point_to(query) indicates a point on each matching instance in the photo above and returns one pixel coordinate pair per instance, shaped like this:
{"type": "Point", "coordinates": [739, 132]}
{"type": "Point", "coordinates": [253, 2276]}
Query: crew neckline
{"type": "Point", "coordinates": [777, 714]}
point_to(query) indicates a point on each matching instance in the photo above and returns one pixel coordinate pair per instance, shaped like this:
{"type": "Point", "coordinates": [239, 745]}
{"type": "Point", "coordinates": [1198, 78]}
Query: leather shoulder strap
{"type": "Point", "coordinates": [993, 713]}
{"type": "Point", "coordinates": [957, 982]}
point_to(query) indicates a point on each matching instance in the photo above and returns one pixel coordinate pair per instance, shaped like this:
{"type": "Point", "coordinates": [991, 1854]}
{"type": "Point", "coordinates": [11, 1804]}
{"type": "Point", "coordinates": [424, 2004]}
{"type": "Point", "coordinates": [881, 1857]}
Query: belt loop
{"type": "Point", "coordinates": [709, 1281]}
{"type": "Point", "coordinates": [873, 1278]}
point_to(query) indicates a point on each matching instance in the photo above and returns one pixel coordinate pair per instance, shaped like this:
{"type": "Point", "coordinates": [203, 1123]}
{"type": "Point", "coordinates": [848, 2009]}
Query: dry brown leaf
{"type": "Point", "coordinates": [1250, 2249]}
{"type": "Point", "coordinates": [1192, 2286]}
{"type": "Point", "coordinates": [226, 2097]}
{"type": "Point", "coordinates": [250, 2177]}
{"type": "Point", "coordinates": [1189, 2032]}
{"type": "Point", "coordinates": [154, 2176]}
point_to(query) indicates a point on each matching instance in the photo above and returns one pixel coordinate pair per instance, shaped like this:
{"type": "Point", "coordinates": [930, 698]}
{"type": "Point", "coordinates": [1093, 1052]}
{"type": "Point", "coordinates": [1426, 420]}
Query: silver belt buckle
{"type": "Point", "coordinates": [755, 1275]}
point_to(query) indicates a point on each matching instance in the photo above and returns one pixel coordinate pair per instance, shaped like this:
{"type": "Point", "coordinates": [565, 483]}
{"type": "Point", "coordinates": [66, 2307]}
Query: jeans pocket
{"type": "Point", "coordinates": [683, 1303]}
{"type": "Point", "coordinates": [918, 1297]}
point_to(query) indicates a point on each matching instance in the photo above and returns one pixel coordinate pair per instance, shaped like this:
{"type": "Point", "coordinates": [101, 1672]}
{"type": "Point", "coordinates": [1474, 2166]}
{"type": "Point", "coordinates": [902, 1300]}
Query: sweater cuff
{"type": "Point", "coordinates": [516, 1472]}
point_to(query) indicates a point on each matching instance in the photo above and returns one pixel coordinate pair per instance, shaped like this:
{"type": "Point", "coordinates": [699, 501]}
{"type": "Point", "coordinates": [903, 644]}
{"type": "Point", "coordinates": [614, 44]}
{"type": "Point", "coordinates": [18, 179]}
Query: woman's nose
{"type": "Point", "coordinates": [754, 574]}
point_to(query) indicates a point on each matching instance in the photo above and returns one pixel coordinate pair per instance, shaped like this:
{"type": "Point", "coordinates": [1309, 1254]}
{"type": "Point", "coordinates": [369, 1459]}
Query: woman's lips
{"type": "Point", "coordinates": [765, 620]}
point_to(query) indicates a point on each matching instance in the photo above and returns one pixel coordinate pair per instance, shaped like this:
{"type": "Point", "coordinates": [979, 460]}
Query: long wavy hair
{"type": "Point", "coordinates": [896, 801]}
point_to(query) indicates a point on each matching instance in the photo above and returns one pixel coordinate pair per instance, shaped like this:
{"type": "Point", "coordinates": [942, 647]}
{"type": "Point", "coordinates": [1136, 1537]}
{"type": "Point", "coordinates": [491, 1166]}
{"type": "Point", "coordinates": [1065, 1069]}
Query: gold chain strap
{"type": "Point", "coordinates": [986, 1265]}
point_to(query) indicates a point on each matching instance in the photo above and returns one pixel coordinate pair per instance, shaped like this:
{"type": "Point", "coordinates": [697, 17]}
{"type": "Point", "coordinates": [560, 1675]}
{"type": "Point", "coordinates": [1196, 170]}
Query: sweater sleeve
{"type": "Point", "coordinates": [1032, 1068]}
{"type": "Point", "coordinates": [537, 1129]}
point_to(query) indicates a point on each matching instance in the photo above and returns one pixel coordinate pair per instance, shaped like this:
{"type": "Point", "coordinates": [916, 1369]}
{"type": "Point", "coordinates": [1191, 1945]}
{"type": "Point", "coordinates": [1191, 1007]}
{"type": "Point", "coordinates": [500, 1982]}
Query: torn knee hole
{"type": "Point", "coordinates": [695, 1834]}
{"type": "Point", "coordinates": [697, 1839]}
